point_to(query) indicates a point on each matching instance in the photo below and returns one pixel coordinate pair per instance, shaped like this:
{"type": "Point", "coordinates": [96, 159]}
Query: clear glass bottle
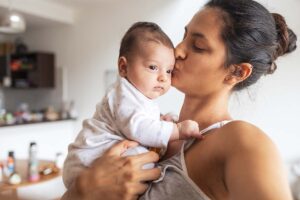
{"type": "Point", "coordinates": [33, 164]}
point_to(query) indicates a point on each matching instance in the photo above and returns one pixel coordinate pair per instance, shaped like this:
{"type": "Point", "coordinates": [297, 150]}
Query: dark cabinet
{"type": "Point", "coordinates": [29, 70]}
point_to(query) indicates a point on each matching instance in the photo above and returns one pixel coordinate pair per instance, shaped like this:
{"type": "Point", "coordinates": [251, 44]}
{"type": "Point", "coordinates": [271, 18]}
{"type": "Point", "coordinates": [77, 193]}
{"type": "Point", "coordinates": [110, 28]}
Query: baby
{"type": "Point", "coordinates": [127, 111]}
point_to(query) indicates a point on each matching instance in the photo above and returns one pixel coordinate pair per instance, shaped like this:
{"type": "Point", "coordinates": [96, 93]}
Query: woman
{"type": "Point", "coordinates": [227, 46]}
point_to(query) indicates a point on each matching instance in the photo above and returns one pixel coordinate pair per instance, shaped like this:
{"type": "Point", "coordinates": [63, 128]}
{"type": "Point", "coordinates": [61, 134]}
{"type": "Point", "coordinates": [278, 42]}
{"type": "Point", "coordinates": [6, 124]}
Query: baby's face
{"type": "Point", "coordinates": [149, 70]}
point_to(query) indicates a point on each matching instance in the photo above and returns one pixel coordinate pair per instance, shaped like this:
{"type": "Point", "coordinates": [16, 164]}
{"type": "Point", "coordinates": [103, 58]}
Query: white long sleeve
{"type": "Point", "coordinates": [124, 113]}
{"type": "Point", "coordinates": [138, 118]}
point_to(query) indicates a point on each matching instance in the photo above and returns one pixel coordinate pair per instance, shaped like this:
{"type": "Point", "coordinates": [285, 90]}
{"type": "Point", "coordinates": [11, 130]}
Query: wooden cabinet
{"type": "Point", "coordinates": [29, 70]}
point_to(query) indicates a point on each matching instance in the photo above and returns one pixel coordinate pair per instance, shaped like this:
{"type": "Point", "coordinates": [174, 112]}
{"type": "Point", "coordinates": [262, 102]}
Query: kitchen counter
{"type": "Point", "coordinates": [36, 122]}
{"type": "Point", "coordinates": [51, 138]}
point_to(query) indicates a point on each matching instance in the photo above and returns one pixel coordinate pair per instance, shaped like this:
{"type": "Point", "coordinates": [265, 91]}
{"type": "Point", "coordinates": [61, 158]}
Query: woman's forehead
{"type": "Point", "coordinates": [206, 22]}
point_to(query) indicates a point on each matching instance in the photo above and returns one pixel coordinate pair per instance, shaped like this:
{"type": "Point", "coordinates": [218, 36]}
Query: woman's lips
{"type": "Point", "coordinates": [174, 71]}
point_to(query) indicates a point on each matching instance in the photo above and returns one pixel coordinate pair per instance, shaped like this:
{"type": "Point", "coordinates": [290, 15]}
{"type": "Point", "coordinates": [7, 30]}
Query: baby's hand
{"type": "Point", "coordinates": [170, 117]}
{"type": "Point", "coordinates": [188, 129]}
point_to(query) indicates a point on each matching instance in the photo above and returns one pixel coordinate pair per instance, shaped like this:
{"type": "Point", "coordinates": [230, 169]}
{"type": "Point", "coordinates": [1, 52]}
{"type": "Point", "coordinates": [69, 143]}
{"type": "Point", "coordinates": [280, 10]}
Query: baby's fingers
{"type": "Point", "coordinates": [198, 135]}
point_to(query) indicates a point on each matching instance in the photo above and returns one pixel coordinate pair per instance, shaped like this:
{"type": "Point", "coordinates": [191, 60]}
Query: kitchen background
{"type": "Point", "coordinates": [84, 35]}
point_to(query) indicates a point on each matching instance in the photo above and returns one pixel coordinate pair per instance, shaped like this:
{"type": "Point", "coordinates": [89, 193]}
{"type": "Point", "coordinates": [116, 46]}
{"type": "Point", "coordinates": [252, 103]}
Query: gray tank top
{"type": "Point", "coordinates": [174, 182]}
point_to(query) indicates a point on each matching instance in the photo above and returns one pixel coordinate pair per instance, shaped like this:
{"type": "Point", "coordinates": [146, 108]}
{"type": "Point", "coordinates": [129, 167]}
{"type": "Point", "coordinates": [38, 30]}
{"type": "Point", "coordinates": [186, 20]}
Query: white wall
{"type": "Point", "coordinates": [51, 138]}
{"type": "Point", "coordinates": [89, 47]}
{"type": "Point", "coordinates": [275, 100]}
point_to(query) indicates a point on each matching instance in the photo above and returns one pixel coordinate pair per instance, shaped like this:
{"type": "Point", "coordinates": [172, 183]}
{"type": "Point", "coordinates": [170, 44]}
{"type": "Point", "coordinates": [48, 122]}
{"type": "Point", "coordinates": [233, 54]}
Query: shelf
{"type": "Point", "coordinates": [37, 122]}
{"type": "Point", "coordinates": [29, 70]}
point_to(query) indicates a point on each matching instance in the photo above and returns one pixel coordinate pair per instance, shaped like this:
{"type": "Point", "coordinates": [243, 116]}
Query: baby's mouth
{"type": "Point", "coordinates": [159, 88]}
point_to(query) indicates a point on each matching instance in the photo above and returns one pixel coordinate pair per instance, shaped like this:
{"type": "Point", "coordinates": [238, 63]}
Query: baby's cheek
{"type": "Point", "coordinates": [166, 89]}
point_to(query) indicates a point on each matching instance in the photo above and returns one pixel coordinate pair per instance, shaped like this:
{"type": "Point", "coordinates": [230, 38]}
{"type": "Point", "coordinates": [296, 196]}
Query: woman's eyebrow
{"type": "Point", "coordinates": [196, 34]}
{"type": "Point", "coordinates": [199, 35]}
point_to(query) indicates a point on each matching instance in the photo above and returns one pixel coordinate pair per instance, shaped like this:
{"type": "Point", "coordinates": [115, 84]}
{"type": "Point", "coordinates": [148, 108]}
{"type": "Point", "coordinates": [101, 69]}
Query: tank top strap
{"type": "Point", "coordinates": [188, 143]}
{"type": "Point", "coordinates": [214, 126]}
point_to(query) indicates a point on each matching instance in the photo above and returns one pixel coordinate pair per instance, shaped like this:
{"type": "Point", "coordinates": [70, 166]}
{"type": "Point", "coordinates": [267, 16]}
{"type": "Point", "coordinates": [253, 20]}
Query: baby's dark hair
{"type": "Point", "coordinates": [254, 35]}
{"type": "Point", "coordinates": [142, 32]}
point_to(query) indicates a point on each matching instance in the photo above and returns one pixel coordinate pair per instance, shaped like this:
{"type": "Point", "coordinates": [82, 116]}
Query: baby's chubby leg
{"type": "Point", "coordinates": [138, 150]}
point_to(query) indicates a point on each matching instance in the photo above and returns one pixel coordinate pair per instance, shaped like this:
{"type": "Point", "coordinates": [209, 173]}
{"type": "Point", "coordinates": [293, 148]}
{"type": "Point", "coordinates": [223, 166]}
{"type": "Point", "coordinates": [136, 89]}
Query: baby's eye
{"type": "Point", "coordinates": [169, 71]}
{"type": "Point", "coordinates": [153, 67]}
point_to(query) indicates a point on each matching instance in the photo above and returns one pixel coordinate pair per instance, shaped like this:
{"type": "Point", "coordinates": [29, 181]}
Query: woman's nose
{"type": "Point", "coordinates": [180, 51]}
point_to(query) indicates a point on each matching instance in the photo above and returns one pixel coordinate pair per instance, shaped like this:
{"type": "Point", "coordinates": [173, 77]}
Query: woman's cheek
{"type": "Point", "coordinates": [174, 81]}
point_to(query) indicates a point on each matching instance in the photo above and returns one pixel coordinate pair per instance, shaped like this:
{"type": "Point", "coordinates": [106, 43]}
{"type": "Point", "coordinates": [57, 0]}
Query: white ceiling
{"type": "Point", "coordinates": [37, 13]}
{"type": "Point", "coordinates": [78, 4]}
{"type": "Point", "coordinates": [41, 13]}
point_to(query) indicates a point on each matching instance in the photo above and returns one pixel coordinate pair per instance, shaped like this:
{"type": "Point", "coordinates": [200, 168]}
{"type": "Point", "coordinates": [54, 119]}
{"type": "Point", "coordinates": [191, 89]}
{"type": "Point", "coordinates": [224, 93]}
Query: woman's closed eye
{"type": "Point", "coordinates": [198, 49]}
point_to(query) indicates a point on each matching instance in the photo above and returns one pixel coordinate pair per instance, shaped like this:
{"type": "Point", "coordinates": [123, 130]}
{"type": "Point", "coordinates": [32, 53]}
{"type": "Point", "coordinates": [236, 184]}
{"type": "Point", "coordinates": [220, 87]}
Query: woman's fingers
{"type": "Point", "coordinates": [117, 177]}
{"type": "Point", "coordinates": [149, 174]}
{"type": "Point", "coordinates": [140, 188]}
{"type": "Point", "coordinates": [138, 161]}
{"type": "Point", "coordinates": [121, 147]}
{"type": "Point", "coordinates": [144, 158]}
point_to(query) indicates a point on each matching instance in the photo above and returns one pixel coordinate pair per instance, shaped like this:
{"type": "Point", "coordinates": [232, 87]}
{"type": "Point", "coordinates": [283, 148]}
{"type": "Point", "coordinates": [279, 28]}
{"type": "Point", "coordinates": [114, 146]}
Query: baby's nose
{"type": "Point", "coordinates": [162, 77]}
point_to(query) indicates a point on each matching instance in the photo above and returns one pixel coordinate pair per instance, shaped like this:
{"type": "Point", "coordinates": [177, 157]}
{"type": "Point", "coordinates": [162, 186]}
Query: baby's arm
{"type": "Point", "coordinates": [170, 117]}
{"type": "Point", "coordinates": [136, 119]}
{"type": "Point", "coordinates": [155, 133]}
{"type": "Point", "coordinates": [184, 130]}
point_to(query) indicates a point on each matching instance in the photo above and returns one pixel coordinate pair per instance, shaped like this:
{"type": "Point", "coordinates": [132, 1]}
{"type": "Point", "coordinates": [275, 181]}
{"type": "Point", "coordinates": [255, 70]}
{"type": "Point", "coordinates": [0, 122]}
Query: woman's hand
{"type": "Point", "coordinates": [115, 177]}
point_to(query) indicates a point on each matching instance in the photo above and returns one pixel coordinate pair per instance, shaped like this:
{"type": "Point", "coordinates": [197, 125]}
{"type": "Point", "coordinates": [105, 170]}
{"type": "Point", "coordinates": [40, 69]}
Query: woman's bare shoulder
{"type": "Point", "coordinates": [240, 158]}
{"type": "Point", "coordinates": [245, 146]}
{"type": "Point", "coordinates": [241, 135]}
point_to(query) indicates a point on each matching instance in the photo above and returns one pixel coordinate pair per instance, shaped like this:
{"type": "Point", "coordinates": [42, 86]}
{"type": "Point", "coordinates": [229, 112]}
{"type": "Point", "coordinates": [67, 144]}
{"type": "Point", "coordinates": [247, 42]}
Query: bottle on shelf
{"type": "Point", "coordinates": [33, 168]}
{"type": "Point", "coordinates": [59, 160]}
{"type": "Point", "coordinates": [11, 163]}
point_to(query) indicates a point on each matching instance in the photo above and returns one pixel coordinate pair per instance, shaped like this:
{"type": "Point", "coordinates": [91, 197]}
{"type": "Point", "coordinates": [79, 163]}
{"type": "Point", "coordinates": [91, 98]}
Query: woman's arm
{"type": "Point", "coordinates": [114, 177]}
{"type": "Point", "coordinates": [253, 168]}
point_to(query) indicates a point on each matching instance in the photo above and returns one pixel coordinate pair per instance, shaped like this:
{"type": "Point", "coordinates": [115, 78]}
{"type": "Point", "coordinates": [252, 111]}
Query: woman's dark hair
{"type": "Point", "coordinates": [254, 35]}
{"type": "Point", "coordinates": [142, 32]}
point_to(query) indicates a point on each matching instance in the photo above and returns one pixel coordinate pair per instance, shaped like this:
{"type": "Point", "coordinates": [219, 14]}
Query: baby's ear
{"type": "Point", "coordinates": [122, 66]}
{"type": "Point", "coordinates": [238, 73]}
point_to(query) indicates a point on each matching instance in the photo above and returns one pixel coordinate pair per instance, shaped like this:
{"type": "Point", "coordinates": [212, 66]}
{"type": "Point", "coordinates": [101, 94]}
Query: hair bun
{"type": "Point", "coordinates": [286, 38]}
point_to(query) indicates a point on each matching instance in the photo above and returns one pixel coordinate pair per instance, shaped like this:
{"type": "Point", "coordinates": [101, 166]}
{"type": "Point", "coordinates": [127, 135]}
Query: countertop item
{"type": "Point", "coordinates": [22, 169]}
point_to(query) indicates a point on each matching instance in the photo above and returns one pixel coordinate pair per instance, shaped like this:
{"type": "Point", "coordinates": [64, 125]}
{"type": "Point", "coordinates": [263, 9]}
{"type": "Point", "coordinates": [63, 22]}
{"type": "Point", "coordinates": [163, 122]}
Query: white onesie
{"type": "Point", "coordinates": [124, 113]}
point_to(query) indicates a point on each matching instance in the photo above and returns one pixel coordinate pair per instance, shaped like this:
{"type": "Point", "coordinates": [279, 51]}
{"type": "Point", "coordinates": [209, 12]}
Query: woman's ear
{"type": "Point", "coordinates": [238, 73]}
{"type": "Point", "coordinates": [122, 66]}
